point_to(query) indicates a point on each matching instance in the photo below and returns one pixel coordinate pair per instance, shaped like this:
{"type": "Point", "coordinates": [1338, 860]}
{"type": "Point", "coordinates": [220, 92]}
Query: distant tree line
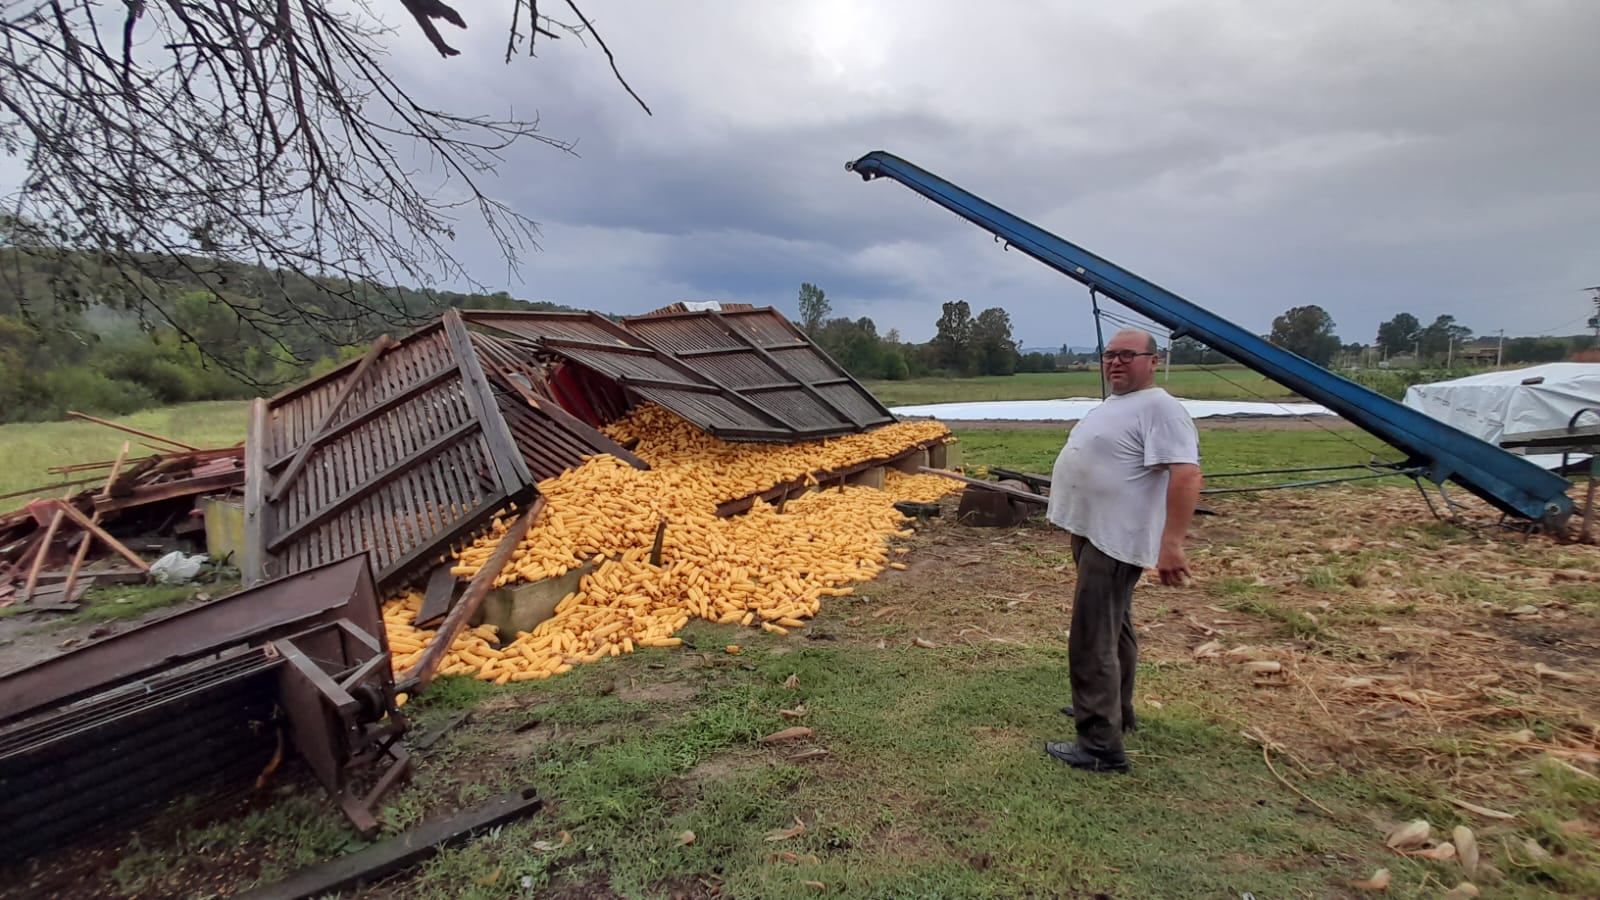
{"type": "Point", "coordinates": [963, 345]}
{"type": "Point", "coordinates": [103, 357]}
{"type": "Point", "coordinates": [1403, 339]}
{"type": "Point", "coordinates": [99, 355]}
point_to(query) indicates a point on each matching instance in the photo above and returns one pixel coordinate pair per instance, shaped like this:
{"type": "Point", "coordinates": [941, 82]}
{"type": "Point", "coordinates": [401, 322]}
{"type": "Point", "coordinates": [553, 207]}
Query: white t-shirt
{"type": "Point", "coordinates": [1109, 483]}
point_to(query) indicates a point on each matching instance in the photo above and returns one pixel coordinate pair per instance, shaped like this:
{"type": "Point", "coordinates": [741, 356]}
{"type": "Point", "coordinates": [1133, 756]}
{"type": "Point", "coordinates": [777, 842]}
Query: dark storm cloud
{"type": "Point", "coordinates": [1436, 158]}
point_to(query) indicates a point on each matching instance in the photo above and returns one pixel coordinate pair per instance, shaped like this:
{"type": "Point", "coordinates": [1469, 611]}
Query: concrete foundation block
{"type": "Point", "coordinates": [944, 456]}
{"type": "Point", "coordinates": [522, 607]}
{"type": "Point", "coordinates": [912, 462]}
{"type": "Point", "coordinates": [872, 477]}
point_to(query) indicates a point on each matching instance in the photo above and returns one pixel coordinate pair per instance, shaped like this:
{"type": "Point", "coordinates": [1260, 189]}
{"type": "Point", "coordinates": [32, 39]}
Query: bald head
{"type": "Point", "coordinates": [1137, 334]}
{"type": "Point", "coordinates": [1129, 362]}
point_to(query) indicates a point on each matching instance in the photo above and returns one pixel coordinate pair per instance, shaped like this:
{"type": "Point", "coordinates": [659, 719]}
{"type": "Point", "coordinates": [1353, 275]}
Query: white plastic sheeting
{"type": "Point", "coordinates": [1072, 409]}
{"type": "Point", "coordinates": [1498, 404]}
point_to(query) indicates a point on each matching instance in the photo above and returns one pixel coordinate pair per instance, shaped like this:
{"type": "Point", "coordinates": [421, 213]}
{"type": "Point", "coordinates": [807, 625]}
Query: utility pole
{"type": "Point", "coordinates": [1594, 320]}
{"type": "Point", "coordinates": [1499, 352]}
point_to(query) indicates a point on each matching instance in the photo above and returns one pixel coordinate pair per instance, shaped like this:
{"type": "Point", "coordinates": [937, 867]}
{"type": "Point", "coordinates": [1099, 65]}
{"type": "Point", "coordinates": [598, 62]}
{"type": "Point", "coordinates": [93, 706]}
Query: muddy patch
{"type": "Point", "coordinates": [656, 692]}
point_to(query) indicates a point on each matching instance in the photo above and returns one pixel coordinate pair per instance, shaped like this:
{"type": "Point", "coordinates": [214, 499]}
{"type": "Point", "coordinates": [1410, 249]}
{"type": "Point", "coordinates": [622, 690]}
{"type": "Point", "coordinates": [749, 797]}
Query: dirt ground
{"type": "Point", "coordinates": [29, 637]}
{"type": "Point", "coordinates": [1343, 627]}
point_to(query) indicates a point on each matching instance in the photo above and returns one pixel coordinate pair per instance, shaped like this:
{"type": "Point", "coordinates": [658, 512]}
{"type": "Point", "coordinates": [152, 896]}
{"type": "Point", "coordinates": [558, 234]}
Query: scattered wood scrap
{"type": "Point", "coordinates": [48, 543]}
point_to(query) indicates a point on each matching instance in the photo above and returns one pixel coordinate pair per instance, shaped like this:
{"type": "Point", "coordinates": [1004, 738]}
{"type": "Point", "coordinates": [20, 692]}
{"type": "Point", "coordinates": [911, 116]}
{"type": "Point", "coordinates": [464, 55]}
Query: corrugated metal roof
{"type": "Point", "coordinates": [402, 454]}
{"type": "Point", "coordinates": [741, 374]}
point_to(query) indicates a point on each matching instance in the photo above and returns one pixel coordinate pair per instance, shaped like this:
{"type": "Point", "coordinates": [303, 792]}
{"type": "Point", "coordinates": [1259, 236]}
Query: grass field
{"type": "Point", "coordinates": [31, 448]}
{"type": "Point", "coordinates": [1191, 383]}
{"type": "Point", "coordinates": [1223, 451]}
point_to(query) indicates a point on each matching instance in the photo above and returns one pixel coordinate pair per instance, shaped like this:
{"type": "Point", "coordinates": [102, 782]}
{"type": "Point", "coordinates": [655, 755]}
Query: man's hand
{"type": "Point", "coordinates": [1173, 564]}
{"type": "Point", "coordinates": [1183, 492]}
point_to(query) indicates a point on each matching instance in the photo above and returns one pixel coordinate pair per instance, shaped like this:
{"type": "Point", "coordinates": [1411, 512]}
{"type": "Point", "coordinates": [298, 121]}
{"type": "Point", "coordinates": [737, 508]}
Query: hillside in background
{"type": "Point", "coordinates": [77, 336]}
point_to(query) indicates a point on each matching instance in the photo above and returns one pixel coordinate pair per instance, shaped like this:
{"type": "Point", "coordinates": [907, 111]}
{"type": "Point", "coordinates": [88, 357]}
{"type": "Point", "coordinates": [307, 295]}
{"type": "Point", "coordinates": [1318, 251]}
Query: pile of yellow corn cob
{"type": "Point", "coordinates": [762, 567]}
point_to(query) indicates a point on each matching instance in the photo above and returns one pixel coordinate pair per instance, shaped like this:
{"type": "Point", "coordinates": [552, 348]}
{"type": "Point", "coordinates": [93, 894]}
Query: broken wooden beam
{"type": "Point", "coordinates": [421, 673]}
{"type": "Point", "coordinates": [143, 434]}
{"type": "Point", "coordinates": [105, 538]}
{"type": "Point", "coordinates": [83, 548]}
{"type": "Point", "coordinates": [171, 490]}
{"type": "Point", "coordinates": [989, 485]}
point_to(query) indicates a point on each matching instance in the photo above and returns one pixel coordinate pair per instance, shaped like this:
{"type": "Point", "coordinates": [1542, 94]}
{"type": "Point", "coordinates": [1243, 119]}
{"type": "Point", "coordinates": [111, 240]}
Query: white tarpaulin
{"type": "Point", "coordinates": [1498, 404]}
{"type": "Point", "coordinates": [1072, 409]}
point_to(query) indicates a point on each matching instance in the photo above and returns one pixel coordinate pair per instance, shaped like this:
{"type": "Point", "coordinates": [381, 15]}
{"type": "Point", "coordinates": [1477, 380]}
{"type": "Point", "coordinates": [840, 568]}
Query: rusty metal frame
{"type": "Point", "coordinates": [275, 609]}
{"type": "Point", "coordinates": [111, 731]}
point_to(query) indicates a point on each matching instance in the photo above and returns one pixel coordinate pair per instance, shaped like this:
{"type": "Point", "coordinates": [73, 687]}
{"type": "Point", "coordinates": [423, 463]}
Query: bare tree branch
{"type": "Point", "coordinates": [216, 137]}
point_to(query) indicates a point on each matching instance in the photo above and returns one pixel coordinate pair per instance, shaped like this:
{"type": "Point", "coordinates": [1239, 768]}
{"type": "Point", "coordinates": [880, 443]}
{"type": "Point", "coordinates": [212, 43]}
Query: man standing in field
{"type": "Point", "coordinates": [1125, 486]}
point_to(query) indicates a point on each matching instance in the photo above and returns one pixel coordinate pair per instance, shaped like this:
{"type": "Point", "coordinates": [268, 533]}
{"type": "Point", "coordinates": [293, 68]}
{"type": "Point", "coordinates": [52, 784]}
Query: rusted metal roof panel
{"type": "Point", "coordinates": [693, 305]}
{"type": "Point", "coordinates": [650, 372]}
{"type": "Point", "coordinates": [400, 455]}
{"type": "Point", "coordinates": [549, 438]}
{"type": "Point", "coordinates": [760, 355]}
{"type": "Point", "coordinates": [741, 374]}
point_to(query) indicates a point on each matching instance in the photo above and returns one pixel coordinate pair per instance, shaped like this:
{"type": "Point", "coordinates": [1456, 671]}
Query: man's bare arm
{"type": "Point", "coordinates": [1183, 494]}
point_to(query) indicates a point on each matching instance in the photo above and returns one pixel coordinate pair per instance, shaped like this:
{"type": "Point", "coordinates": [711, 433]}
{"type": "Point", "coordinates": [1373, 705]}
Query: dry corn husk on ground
{"type": "Point", "coordinates": [765, 568]}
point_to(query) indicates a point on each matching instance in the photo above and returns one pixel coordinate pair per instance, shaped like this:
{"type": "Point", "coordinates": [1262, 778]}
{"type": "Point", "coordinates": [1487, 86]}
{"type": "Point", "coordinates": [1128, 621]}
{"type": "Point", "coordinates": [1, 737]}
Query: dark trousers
{"type": "Point", "coordinates": [1102, 650]}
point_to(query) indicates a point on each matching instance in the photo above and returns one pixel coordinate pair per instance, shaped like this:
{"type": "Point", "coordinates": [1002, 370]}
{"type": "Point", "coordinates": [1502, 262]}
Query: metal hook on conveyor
{"type": "Point", "coordinates": [1099, 336]}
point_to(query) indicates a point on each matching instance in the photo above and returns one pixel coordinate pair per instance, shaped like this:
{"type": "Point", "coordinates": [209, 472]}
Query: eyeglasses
{"type": "Point", "coordinates": [1124, 355]}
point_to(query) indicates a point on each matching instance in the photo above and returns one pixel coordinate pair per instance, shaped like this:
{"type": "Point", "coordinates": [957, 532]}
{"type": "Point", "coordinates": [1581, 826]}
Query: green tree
{"type": "Point", "coordinates": [1308, 331]}
{"type": "Point", "coordinates": [952, 343]}
{"type": "Point", "coordinates": [1438, 339]}
{"type": "Point", "coordinates": [1036, 362]}
{"type": "Point", "coordinates": [1399, 334]}
{"type": "Point", "coordinates": [1537, 349]}
{"type": "Point", "coordinates": [853, 345]}
{"type": "Point", "coordinates": [992, 343]}
{"type": "Point", "coordinates": [814, 309]}
{"type": "Point", "coordinates": [1186, 351]}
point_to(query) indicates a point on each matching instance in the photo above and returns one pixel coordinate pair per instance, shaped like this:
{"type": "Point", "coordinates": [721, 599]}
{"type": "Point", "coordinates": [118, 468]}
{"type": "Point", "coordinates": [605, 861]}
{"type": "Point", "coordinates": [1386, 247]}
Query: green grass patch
{"type": "Point", "coordinates": [130, 601]}
{"type": "Point", "coordinates": [1222, 450]}
{"type": "Point", "coordinates": [31, 448]}
{"type": "Point", "coordinates": [935, 785]}
{"type": "Point", "coordinates": [1190, 382]}
{"type": "Point", "coordinates": [1466, 587]}
{"type": "Point", "coordinates": [1293, 623]}
{"type": "Point", "coordinates": [1232, 587]}
{"type": "Point", "coordinates": [1325, 578]}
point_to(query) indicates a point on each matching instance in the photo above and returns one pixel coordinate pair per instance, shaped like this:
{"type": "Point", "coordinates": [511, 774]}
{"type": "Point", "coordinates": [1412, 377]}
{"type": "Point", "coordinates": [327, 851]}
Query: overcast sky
{"type": "Point", "coordinates": [1433, 156]}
